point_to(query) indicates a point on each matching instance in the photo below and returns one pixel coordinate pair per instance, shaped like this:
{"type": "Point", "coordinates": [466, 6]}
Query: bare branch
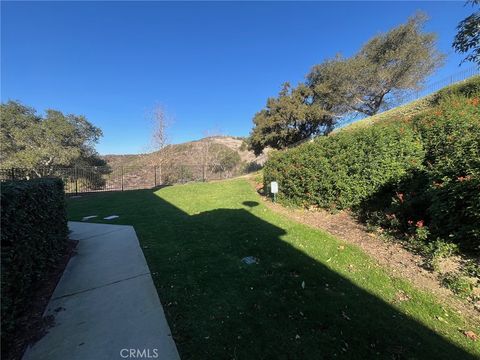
{"type": "Point", "coordinates": [161, 123]}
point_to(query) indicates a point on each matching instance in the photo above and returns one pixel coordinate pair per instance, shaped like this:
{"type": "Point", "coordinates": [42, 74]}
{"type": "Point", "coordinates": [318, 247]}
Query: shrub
{"type": "Point", "coordinates": [34, 236]}
{"type": "Point", "coordinates": [342, 170]}
{"type": "Point", "coordinates": [451, 137]}
{"type": "Point", "coordinates": [417, 176]}
{"type": "Point", "coordinates": [444, 194]}
{"type": "Point", "coordinates": [175, 174]}
{"type": "Point", "coordinates": [459, 284]}
{"type": "Point", "coordinates": [224, 160]}
{"type": "Point", "coordinates": [466, 88]}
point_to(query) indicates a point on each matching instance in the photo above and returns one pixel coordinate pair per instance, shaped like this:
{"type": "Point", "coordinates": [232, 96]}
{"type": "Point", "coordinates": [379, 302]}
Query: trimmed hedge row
{"type": "Point", "coordinates": [417, 175]}
{"type": "Point", "coordinates": [34, 237]}
{"type": "Point", "coordinates": [342, 170]}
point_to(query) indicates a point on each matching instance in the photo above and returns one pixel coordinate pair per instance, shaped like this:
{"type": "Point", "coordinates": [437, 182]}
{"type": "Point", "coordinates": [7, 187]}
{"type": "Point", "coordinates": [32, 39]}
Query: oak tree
{"type": "Point", "coordinates": [386, 67]}
{"type": "Point", "coordinates": [289, 118]}
{"type": "Point", "coordinates": [43, 142]}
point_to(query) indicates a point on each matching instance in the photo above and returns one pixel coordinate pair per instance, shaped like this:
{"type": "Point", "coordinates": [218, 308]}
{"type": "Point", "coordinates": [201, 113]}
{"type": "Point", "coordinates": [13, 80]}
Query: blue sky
{"type": "Point", "coordinates": [212, 65]}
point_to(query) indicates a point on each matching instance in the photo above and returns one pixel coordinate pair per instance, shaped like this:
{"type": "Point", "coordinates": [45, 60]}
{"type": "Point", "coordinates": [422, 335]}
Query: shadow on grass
{"type": "Point", "coordinates": [287, 306]}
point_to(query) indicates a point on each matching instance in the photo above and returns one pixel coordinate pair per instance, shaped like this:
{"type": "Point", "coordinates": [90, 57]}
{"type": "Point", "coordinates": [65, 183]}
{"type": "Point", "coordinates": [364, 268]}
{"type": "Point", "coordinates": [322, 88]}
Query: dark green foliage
{"type": "Point", "coordinates": [443, 198]}
{"type": "Point", "coordinates": [34, 236]}
{"type": "Point", "coordinates": [418, 176]}
{"type": "Point", "coordinates": [40, 142]}
{"type": "Point", "coordinates": [451, 136]}
{"type": "Point", "coordinates": [289, 118]}
{"type": "Point", "coordinates": [459, 284]}
{"type": "Point", "coordinates": [467, 40]}
{"type": "Point", "coordinates": [341, 170]}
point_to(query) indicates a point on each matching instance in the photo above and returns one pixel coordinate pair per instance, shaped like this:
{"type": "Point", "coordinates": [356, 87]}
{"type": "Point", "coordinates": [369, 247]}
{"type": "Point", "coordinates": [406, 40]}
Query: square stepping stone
{"type": "Point", "coordinates": [111, 217]}
{"type": "Point", "coordinates": [85, 218]}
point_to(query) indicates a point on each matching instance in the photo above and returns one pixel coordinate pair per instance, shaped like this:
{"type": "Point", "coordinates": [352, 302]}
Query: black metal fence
{"type": "Point", "coordinates": [83, 179]}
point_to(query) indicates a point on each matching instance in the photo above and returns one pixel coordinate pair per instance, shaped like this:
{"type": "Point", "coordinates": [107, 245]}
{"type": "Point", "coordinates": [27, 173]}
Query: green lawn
{"type": "Point", "coordinates": [309, 297]}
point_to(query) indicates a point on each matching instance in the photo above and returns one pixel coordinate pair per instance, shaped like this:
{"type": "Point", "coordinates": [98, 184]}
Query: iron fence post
{"type": "Point", "coordinates": [13, 173]}
{"type": "Point", "coordinates": [155, 175]}
{"type": "Point", "coordinates": [76, 180]}
{"type": "Point", "coordinates": [122, 178]}
{"type": "Point", "coordinates": [160, 174]}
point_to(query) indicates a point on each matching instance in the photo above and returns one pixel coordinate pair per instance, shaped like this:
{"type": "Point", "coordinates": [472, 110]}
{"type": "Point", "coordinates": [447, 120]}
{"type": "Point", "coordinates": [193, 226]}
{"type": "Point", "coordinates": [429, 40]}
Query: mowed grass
{"type": "Point", "coordinates": [310, 296]}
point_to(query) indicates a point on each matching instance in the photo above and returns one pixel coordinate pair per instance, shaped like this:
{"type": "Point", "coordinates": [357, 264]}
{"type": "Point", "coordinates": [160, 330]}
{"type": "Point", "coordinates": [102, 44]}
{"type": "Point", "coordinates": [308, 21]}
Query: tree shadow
{"type": "Point", "coordinates": [286, 306]}
{"type": "Point", "coordinates": [250, 204]}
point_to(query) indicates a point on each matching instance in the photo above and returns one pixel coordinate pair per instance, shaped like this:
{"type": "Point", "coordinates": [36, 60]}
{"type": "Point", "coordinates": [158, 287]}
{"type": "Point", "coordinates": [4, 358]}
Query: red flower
{"type": "Point", "coordinates": [400, 197]}
{"type": "Point", "coordinates": [410, 222]}
{"type": "Point", "coordinates": [464, 178]}
{"type": "Point", "coordinates": [419, 224]}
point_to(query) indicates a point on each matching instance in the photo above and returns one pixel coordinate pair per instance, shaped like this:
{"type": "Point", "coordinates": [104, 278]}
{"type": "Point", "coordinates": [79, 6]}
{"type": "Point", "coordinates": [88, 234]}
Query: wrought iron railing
{"type": "Point", "coordinates": [83, 179]}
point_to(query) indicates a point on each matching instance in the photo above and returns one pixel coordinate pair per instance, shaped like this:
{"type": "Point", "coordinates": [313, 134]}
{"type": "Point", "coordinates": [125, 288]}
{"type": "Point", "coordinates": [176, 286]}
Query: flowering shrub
{"type": "Point", "coordinates": [341, 170]}
{"type": "Point", "coordinates": [419, 176]}
{"type": "Point", "coordinates": [442, 195]}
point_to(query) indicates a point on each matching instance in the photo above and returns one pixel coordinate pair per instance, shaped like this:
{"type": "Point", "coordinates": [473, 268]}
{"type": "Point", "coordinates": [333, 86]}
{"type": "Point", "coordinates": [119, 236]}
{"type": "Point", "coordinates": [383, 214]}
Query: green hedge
{"type": "Point", "coordinates": [418, 175]}
{"type": "Point", "coordinates": [342, 170]}
{"type": "Point", "coordinates": [450, 191]}
{"type": "Point", "coordinates": [34, 237]}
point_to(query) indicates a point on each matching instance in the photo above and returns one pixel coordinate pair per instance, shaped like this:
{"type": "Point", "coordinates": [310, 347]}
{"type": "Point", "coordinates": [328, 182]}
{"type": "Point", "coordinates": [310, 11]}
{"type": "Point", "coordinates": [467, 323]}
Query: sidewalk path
{"type": "Point", "coordinates": [105, 305]}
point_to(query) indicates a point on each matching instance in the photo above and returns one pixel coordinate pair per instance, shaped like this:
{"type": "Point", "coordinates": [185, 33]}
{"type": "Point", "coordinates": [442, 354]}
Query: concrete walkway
{"type": "Point", "coordinates": [105, 305]}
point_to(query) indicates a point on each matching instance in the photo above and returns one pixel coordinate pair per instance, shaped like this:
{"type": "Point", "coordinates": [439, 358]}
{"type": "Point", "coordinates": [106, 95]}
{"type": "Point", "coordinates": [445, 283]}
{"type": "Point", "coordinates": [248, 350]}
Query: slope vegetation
{"type": "Point", "coordinates": [413, 171]}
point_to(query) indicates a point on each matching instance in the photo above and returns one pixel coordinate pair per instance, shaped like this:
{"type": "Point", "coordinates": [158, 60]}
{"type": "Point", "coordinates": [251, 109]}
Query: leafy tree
{"type": "Point", "coordinates": [332, 83]}
{"type": "Point", "coordinates": [468, 36]}
{"type": "Point", "coordinates": [223, 160]}
{"type": "Point", "coordinates": [385, 67]}
{"type": "Point", "coordinates": [34, 142]}
{"type": "Point", "coordinates": [289, 118]}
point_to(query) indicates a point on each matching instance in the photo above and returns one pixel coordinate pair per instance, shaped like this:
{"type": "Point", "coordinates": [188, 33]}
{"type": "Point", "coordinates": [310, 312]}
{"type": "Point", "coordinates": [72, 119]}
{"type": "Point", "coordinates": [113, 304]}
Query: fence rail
{"type": "Point", "coordinates": [84, 179]}
{"type": "Point", "coordinates": [432, 87]}
{"type": "Point", "coordinates": [409, 96]}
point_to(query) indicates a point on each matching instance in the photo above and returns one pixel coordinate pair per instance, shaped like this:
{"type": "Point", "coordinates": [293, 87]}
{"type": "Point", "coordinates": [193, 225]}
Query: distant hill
{"type": "Point", "coordinates": [207, 150]}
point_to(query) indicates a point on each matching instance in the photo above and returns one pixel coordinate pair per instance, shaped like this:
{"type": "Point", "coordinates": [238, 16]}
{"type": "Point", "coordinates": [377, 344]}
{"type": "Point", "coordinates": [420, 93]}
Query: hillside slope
{"type": "Point", "coordinates": [465, 87]}
{"type": "Point", "coordinates": [189, 153]}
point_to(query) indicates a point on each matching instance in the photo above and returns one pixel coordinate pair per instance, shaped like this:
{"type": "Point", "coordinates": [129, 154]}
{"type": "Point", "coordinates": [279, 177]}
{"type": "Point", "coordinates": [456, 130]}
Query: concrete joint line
{"type": "Point", "coordinates": [99, 287]}
{"type": "Point", "coordinates": [99, 235]}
